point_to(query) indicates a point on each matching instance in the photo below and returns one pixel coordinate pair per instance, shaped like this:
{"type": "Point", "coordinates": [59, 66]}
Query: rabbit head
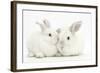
{"type": "Point", "coordinates": [68, 35]}
{"type": "Point", "coordinates": [49, 34]}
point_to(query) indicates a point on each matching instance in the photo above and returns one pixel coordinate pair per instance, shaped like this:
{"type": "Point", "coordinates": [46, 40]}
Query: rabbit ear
{"type": "Point", "coordinates": [58, 30]}
{"type": "Point", "coordinates": [75, 26]}
{"type": "Point", "coordinates": [41, 25]}
{"type": "Point", "coordinates": [46, 23]}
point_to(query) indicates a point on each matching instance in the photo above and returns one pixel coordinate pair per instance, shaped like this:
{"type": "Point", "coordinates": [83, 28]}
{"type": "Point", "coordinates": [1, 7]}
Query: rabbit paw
{"type": "Point", "coordinates": [39, 55]}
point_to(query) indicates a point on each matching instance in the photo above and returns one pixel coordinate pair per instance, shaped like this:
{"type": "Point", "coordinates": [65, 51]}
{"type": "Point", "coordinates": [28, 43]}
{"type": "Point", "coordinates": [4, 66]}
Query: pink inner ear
{"type": "Point", "coordinates": [75, 27]}
{"type": "Point", "coordinates": [46, 23]}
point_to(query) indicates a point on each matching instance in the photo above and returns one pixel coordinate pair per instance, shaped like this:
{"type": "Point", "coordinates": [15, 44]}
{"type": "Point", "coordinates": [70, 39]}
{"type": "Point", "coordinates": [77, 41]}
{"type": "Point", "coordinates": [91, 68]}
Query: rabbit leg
{"type": "Point", "coordinates": [39, 55]}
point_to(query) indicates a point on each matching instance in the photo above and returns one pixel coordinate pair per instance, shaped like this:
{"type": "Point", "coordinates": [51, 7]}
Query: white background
{"type": "Point", "coordinates": [29, 27]}
{"type": "Point", "coordinates": [5, 37]}
{"type": "Point", "coordinates": [62, 19]}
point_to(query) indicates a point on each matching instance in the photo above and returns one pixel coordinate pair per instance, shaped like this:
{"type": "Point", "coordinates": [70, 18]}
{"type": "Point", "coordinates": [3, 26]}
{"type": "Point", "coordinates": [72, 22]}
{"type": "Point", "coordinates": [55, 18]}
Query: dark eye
{"type": "Point", "coordinates": [50, 34]}
{"type": "Point", "coordinates": [68, 38]}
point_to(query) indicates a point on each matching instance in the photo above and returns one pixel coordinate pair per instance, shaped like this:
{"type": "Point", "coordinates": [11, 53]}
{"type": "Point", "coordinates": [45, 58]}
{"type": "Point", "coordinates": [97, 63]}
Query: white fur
{"type": "Point", "coordinates": [74, 45]}
{"type": "Point", "coordinates": [40, 44]}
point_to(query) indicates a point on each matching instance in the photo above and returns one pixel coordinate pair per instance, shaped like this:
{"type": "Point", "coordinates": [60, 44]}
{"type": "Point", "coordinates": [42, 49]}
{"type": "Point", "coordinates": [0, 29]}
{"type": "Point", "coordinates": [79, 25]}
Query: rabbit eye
{"type": "Point", "coordinates": [50, 34]}
{"type": "Point", "coordinates": [68, 38]}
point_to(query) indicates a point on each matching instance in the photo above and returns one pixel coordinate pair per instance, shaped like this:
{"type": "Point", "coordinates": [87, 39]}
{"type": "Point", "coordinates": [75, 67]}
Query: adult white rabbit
{"type": "Point", "coordinates": [43, 43]}
{"type": "Point", "coordinates": [70, 43]}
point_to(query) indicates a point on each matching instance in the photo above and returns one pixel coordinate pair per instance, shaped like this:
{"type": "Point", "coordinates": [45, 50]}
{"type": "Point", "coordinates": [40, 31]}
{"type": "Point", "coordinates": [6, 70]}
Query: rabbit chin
{"type": "Point", "coordinates": [67, 51]}
{"type": "Point", "coordinates": [52, 40]}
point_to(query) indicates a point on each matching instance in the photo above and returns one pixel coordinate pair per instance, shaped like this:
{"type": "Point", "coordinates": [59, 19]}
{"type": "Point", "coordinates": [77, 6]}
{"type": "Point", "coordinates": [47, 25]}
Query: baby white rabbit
{"type": "Point", "coordinates": [43, 43]}
{"type": "Point", "coordinates": [70, 43]}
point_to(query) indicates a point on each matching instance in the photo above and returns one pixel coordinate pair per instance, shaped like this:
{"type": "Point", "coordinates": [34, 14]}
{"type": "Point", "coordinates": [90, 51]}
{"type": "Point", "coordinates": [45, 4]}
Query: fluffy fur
{"type": "Point", "coordinates": [43, 44]}
{"type": "Point", "coordinates": [70, 43]}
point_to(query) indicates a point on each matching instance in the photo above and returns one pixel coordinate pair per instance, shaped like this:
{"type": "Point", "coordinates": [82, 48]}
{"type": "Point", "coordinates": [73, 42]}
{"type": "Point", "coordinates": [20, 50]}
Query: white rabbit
{"type": "Point", "coordinates": [70, 43]}
{"type": "Point", "coordinates": [43, 43]}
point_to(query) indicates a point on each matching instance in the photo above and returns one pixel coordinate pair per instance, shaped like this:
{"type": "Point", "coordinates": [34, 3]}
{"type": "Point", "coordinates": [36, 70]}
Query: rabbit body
{"type": "Point", "coordinates": [40, 46]}
{"type": "Point", "coordinates": [72, 47]}
{"type": "Point", "coordinates": [43, 44]}
{"type": "Point", "coordinates": [70, 42]}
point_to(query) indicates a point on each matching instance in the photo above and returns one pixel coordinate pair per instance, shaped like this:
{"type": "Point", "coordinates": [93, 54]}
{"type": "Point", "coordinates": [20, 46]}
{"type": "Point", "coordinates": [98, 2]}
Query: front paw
{"type": "Point", "coordinates": [39, 55]}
